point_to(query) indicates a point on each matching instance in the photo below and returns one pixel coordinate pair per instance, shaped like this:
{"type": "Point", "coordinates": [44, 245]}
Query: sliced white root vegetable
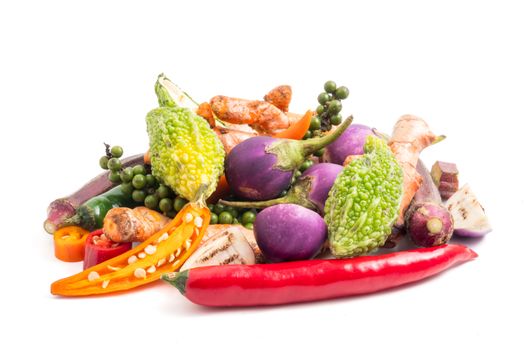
{"type": "Point", "coordinates": [227, 247]}
{"type": "Point", "coordinates": [470, 219]}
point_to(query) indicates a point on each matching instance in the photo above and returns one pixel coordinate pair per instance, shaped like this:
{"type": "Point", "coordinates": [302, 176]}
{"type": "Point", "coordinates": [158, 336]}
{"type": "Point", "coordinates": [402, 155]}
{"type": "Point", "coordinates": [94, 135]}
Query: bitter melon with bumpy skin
{"type": "Point", "coordinates": [364, 201]}
{"type": "Point", "coordinates": [186, 154]}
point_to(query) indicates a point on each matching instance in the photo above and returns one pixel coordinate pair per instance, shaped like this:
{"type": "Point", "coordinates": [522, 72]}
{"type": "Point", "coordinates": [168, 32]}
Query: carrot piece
{"type": "Point", "coordinates": [297, 130]}
{"type": "Point", "coordinates": [410, 136]}
{"type": "Point", "coordinates": [163, 252]}
{"type": "Point", "coordinates": [147, 157]}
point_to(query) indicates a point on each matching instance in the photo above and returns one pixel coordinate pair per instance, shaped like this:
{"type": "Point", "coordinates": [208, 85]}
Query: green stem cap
{"type": "Point", "coordinates": [311, 145]}
{"type": "Point", "coordinates": [177, 279]}
{"type": "Point", "coordinates": [71, 221]}
{"type": "Point", "coordinates": [291, 153]}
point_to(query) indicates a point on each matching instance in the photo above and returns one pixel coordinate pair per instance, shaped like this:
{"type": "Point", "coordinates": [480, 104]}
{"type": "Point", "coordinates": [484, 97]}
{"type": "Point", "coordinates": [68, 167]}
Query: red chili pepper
{"type": "Point", "coordinates": [299, 281]}
{"type": "Point", "coordinates": [99, 249]}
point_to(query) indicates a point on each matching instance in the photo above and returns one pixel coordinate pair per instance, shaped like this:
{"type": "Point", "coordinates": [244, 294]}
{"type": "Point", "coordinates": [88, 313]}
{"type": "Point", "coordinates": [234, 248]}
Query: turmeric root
{"type": "Point", "coordinates": [410, 136]}
{"type": "Point", "coordinates": [133, 225]}
{"type": "Point", "coordinates": [280, 97]}
{"type": "Point", "coordinates": [231, 137]}
{"type": "Point", "coordinates": [261, 115]}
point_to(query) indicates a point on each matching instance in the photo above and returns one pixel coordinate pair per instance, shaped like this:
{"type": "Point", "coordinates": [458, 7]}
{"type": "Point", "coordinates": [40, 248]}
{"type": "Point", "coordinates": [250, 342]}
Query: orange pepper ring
{"type": "Point", "coordinates": [69, 243]}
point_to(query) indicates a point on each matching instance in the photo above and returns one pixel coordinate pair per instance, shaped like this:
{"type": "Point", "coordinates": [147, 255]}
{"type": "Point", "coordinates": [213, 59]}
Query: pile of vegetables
{"type": "Point", "coordinates": [240, 202]}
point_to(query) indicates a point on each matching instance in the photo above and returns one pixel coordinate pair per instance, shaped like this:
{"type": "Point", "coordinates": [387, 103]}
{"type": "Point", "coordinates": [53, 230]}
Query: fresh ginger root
{"type": "Point", "coordinates": [133, 225]}
{"type": "Point", "coordinates": [410, 136]}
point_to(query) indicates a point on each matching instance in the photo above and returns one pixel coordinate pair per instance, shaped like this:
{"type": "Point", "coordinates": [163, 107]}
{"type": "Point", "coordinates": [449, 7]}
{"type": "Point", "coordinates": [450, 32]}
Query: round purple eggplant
{"type": "Point", "coordinates": [321, 178]}
{"type": "Point", "coordinates": [310, 190]}
{"type": "Point", "coordinates": [351, 142]}
{"type": "Point", "coordinates": [287, 232]}
{"type": "Point", "coordinates": [261, 167]}
{"type": "Point", "coordinates": [251, 171]}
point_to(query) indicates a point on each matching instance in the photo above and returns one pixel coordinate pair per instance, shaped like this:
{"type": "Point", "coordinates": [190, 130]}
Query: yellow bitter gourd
{"type": "Point", "coordinates": [186, 154]}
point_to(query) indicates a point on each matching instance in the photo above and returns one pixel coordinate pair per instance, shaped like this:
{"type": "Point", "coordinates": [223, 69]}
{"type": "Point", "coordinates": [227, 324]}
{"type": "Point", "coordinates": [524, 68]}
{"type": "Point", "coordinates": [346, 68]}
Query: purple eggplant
{"type": "Point", "coordinates": [261, 167]}
{"type": "Point", "coordinates": [349, 143]}
{"type": "Point", "coordinates": [309, 191]}
{"type": "Point", "coordinates": [64, 208]}
{"type": "Point", "coordinates": [428, 222]}
{"type": "Point", "coordinates": [286, 232]}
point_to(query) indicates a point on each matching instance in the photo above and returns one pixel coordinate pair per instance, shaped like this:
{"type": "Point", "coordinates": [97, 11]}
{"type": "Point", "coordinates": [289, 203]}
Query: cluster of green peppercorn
{"type": "Point", "coordinates": [143, 187]}
{"type": "Point", "coordinates": [327, 115]}
{"type": "Point", "coordinates": [328, 110]}
{"type": "Point", "coordinates": [221, 214]}
{"type": "Point", "coordinates": [140, 184]}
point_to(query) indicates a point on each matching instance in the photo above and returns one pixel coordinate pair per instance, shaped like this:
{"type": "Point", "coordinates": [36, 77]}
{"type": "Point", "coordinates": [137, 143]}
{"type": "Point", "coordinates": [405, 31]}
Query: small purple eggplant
{"type": "Point", "coordinates": [261, 167]}
{"type": "Point", "coordinates": [287, 232]}
{"type": "Point", "coordinates": [427, 221]}
{"type": "Point", "coordinates": [310, 190]}
{"type": "Point", "coordinates": [351, 142]}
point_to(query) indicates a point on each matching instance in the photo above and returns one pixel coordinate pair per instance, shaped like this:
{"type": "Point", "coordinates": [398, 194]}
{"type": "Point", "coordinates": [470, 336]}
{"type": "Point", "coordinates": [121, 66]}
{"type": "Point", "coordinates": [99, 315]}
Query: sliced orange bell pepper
{"type": "Point", "coordinates": [163, 252]}
{"type": "Point", "coordinates": [297, 130]}
{"type": "Point", "coordinates": [69, 243]}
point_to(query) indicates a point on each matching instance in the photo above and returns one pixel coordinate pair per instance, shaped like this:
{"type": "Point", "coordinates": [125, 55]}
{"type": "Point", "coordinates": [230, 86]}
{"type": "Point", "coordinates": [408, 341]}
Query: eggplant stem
{"type": "Point", "coordinates": [299, 194]}
{"type": "Point", "coordinates": [255, 205]}
{"type": "Point", "coordinates": [311, 145]}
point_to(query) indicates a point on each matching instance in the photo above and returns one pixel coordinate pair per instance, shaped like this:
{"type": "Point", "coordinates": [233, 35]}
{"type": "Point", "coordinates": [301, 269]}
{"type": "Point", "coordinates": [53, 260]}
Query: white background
{"type": "Point", "coordinates": [74, 75]}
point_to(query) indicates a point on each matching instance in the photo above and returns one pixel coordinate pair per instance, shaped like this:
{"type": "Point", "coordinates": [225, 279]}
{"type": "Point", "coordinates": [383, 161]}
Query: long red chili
{"type": "Point", "coordinates": [300, 281]}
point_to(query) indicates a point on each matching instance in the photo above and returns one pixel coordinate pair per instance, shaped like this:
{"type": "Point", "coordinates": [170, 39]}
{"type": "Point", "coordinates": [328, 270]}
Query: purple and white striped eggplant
{"type": "Point", "coordinates": [64, 208]}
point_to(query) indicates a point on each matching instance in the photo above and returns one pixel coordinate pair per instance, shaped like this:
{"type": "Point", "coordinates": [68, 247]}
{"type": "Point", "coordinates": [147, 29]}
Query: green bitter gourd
{"type": "Point", "coordinates": [364, 201]}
